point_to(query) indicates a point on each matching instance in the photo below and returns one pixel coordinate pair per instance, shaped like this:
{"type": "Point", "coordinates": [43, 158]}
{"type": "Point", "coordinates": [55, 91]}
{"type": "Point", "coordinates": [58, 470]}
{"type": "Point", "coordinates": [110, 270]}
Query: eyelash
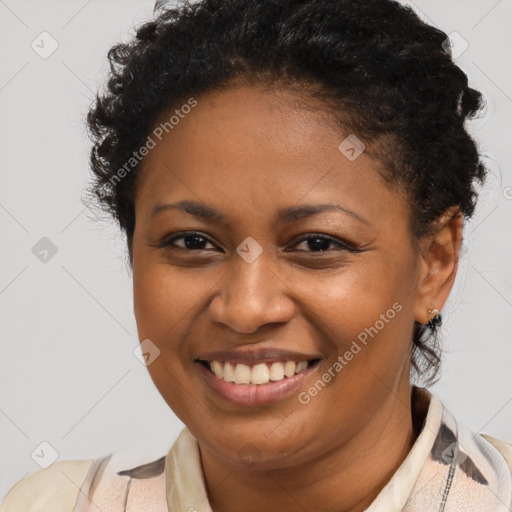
{"type": "Point", "coordinates": [343, 246]}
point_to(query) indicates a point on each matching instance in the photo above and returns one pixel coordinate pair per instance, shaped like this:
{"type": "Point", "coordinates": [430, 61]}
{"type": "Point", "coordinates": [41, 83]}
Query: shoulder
{"type": "Point", "coordinates": [503, 447]}
{"type": "Point", "coordinates": [55, 488]}
{"type": "Point", "coordinates": [106, 482]}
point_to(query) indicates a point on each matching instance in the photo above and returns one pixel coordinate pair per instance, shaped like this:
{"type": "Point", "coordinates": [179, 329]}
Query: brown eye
{"type": "Point", "coordinates": [191, 241]}
{"type": "Point", "coordinates": [322, 243]}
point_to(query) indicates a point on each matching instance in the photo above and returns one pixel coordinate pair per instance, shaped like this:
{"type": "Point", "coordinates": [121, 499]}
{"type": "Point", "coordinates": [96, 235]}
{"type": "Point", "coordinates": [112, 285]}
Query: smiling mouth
{"type": "Point", "coordinates": [260, 374]}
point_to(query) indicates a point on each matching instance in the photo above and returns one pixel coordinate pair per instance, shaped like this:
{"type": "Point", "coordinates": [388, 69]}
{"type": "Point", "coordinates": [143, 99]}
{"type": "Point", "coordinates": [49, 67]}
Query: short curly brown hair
{"type": "Point", "coordinates": [389, 75]}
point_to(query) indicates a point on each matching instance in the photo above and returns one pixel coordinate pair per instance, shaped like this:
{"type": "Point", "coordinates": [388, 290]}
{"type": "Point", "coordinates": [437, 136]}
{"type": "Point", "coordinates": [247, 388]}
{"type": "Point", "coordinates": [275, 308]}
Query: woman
{"type": "Point", "coordinates": [292, 179]}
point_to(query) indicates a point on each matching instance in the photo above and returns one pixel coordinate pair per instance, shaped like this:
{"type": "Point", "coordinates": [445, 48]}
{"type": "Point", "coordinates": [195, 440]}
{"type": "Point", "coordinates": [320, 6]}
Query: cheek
{"type": "Point", "coordinates": [164, 297]}
{"type": "Point", "coordinates": [163, 304]}
{"type": "Point", "coordinates": [355, 297]}
{"type": "Point", "coordinates": [363, 319]}
{"type": "Point", "coordinates": [366, 313]}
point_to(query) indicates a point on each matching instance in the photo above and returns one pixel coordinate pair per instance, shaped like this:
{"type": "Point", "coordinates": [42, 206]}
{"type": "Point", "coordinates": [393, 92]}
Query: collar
{"type": "Point", "coordinates": [447, 470]}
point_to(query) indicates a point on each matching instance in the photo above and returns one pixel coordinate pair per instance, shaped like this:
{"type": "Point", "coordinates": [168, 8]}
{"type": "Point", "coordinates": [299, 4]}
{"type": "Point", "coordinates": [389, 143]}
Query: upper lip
{"type": "Point", "coordinates": [250, 357]}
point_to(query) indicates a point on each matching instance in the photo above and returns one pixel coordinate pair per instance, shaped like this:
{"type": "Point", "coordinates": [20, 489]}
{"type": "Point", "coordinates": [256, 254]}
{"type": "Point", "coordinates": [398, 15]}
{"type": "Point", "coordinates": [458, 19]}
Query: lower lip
{"type": "Point", "coordinates": [252, 395]}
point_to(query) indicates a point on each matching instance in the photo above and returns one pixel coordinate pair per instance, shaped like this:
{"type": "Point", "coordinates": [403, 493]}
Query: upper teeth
{"type": "Point", "coordinates": [257, 374]}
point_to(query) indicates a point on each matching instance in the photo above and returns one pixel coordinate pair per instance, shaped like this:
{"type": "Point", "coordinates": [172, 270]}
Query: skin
{"type": "Point", "coordinates": [248, 152]}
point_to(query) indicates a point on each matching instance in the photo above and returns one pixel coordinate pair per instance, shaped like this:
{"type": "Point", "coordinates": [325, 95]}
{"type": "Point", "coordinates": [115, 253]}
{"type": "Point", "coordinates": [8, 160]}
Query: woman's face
{"type": "Point", "coordinates": [256, 287]}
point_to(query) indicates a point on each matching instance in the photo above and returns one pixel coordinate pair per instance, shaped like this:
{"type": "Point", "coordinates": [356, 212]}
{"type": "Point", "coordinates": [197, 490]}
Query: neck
{"type": "Point", "coordinates": [345, 479]}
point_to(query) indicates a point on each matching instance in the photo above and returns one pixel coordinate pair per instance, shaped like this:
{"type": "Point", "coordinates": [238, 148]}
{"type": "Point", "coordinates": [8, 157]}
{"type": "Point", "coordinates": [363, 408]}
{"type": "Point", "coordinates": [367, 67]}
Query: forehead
{"type": "Point", "coordinates": [254, 149]}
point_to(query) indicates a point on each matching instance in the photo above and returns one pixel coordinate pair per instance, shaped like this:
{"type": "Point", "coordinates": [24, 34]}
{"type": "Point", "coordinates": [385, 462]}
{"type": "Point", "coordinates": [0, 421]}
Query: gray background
{"type": "Point", "coordinates": [68, 374]}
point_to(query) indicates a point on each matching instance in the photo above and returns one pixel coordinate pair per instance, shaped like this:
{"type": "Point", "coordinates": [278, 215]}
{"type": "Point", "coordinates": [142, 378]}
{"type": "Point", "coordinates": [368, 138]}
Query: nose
{"type": "Point", "coordinates": [252, 295]}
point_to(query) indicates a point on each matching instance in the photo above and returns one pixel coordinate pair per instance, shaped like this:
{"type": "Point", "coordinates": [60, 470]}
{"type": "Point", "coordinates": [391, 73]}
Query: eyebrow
{"type": "Point", "coordinates": [290, 214]}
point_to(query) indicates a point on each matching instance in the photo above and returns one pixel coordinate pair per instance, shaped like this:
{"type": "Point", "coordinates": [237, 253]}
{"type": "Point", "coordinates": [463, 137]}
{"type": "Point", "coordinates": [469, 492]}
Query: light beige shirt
{"type": "Point", "coordinates": [449, 469]}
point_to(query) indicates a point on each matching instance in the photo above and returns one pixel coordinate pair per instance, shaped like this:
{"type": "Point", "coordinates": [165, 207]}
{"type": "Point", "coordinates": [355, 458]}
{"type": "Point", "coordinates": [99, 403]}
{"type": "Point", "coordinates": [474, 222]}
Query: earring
{"type": "Point", "coordinates": [435, 320]}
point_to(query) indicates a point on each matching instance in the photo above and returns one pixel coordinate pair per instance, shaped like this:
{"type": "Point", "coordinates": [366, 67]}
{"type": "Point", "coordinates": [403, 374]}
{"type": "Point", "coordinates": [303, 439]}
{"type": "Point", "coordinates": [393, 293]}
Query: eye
{"type": "Point", "coordinates": [191, 241]}
{"type": "Point", "coordinates": [316, 243]}
{"type": "Point", "coordinates": [321, 243]}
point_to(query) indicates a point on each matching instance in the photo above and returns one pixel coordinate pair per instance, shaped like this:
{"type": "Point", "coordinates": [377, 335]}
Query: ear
{"type": "Point", "coordinates": [439, 263]}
